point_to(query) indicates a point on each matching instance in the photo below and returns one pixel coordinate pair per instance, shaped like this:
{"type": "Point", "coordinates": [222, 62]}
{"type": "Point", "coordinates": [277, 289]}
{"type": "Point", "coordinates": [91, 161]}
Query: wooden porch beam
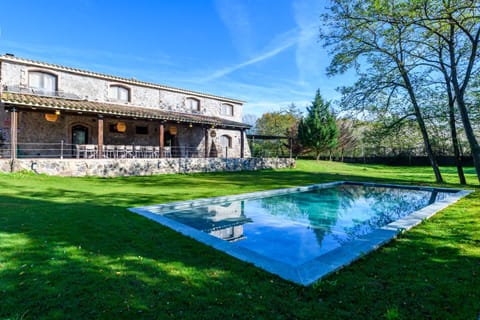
{"type": "Point", "coordinates": [162, 139]}
{"type": "Point", "coordinates": [100, 137]}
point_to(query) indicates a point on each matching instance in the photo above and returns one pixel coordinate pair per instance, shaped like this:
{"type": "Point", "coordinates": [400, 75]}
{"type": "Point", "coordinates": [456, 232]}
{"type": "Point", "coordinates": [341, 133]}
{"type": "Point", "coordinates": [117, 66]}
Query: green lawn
{"type": "Point", "coordinates": [70, 249]}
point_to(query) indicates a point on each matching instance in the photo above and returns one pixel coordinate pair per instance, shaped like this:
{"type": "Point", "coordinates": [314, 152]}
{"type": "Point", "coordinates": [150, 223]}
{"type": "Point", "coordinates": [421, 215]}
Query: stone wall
{"type": "Point", "coordinates": [95, 87]}
{"type": "Point", "coordinates": [5, 165]}
{"type": "Point", "coordinates": [139, 167]}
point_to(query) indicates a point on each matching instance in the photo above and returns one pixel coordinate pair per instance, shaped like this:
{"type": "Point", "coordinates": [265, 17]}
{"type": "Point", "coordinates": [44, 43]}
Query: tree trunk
{"type": "Point", "coordinates": [456, 149]}
{"type": "Point", "coordinates": [421, 123]}
{"type": "Point", "coordinates": [452, 120]}
{"type": "Point", "coordinates": [472, 140]}
{"type": "Point", "coordinates": [453, 131]}
{"type": "Point", "coordinates": [459, 94]}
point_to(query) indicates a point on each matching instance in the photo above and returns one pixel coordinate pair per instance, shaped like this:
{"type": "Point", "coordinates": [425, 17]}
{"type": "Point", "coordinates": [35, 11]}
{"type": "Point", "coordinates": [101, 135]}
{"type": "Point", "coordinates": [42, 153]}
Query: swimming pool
{"type": "Point", "coordinates": [303, 233]}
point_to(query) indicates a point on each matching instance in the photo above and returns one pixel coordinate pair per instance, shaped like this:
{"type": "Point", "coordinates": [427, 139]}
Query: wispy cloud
{"type": "Point", "coordinates": [280, 44]}
{"type": "Point", "coordinates": [235, 16]}
{"type": "Point", "coordinates": [265, 96]}
{"type": "Point", "coordinates": [311, 57]}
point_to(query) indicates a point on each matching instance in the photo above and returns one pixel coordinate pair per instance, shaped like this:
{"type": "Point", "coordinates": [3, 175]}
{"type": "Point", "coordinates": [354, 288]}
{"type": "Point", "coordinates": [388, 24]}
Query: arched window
{"type": "Point", "coordinates": [226, 141]}
{"type": "Point", "coordinates": [119, 93]}
{"type": "Point", "coordinates": [227, 109]}
{"type": "Point", "coordinates": [42, 82]}
{"type": "Point", "coordinates": [193, 104]}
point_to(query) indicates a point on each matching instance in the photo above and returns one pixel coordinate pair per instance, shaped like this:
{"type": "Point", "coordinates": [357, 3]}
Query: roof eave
{"type": "Point", "coordinates": [20, 100]}
{"type": "Point", "coordinates": [14, 59]}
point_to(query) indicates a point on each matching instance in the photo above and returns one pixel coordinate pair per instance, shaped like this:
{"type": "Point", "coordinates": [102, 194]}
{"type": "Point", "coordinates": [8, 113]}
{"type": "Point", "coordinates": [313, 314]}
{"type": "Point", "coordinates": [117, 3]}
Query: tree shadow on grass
{"type": "Point", "coordinates": [91, 258]}
{"type": "Point", "coordinates": [83, 261]}
{"type": "Point", "coordinates": [141, 191]}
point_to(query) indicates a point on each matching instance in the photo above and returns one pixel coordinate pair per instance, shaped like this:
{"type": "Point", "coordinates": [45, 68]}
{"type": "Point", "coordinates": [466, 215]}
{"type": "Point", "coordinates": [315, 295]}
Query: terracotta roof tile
{"type": "Point", "coordinates": [74, 105]}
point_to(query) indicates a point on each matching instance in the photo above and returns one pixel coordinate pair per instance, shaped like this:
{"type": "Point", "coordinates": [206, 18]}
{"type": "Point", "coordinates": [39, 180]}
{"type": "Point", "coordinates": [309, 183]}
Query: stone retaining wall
{"type": "Point", "coordinates": [139, 167]}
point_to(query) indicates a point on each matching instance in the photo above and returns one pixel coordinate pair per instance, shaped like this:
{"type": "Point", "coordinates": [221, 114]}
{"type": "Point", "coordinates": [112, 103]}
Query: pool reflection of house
{"type": "Point", "coordinates": [47, 110]}
{"type": "Point", "coordinates": [227, 221]}
{"type": "Point", "coordinates": [224, 221]}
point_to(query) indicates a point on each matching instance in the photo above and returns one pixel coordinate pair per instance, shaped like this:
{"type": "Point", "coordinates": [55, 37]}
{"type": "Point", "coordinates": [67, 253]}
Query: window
{"type": "Point", "coordinates": [42, 82]}
{"type": "Point", "coordinates": [226, 141]}
{"type": "Point", "coordinates": [141, 130]}
{"type": "Point", "coordinates": [119, 93]}
{"type": "Point", "coordinates": [227, 110]}
{"type": "Point", "coordinates": [193, 104]}
{"type": "Point", "coordinates": [113, 128]}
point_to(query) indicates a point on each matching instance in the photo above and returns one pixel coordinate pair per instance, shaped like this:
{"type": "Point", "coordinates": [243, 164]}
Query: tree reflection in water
{"type": "Point", "coordinates": [347, 212]}
{"type": "Point", "coordinates": [386, 205]}
{"type": "Point", "coordinates": [319, 212]}
{"type": "Point", "coordinates": [293, 227]}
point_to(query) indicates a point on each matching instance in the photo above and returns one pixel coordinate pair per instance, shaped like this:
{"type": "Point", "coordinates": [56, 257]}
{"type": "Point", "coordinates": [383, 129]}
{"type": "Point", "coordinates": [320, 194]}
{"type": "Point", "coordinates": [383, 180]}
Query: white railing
{"type": "Point", "coordinates": [64, 150]}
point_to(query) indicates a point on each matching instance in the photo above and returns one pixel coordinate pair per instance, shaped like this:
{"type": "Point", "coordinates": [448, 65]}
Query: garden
{"type": "Point", "coordinates": [69, 248]}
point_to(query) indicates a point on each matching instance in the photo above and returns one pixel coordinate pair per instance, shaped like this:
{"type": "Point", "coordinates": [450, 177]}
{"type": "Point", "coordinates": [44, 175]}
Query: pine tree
{"type": "Point", "coordinates": [318, 131]}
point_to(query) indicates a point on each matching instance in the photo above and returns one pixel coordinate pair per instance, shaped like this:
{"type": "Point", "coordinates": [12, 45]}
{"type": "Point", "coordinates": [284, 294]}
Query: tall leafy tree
{"type": "Point", "coordinates": [454, 26]}
{"type": "Point", "coordinates": [357, 29]}
{"type": "Point", "coordinates": [318, 130]}
{"type": "Point", "coordinates": [274, 123]}
{"type": "Point", "coordinates": [282, 124]}
{"type": "Point", "coordinates": [406, 42]}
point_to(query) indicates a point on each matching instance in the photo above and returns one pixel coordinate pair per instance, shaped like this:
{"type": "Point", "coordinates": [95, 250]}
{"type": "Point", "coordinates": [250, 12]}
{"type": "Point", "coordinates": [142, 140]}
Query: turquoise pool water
{"type": "Point", "coordinates": [303, 233]}
{"type": "Point", "coordinates": [296, 227]}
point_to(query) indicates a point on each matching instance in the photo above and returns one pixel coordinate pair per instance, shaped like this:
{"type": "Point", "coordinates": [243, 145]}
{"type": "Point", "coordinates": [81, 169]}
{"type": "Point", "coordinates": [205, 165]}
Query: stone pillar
{"type": "Point", "coordinates": [206, 142]}
{"type": "Point", "coordinates": [100, 137]}
{"type": "Point", "coordinates": [13, 133]}
{"type": "Point", "coordinates": [162, 138]}
{"type": "Point", "coordinates": [242, 143]}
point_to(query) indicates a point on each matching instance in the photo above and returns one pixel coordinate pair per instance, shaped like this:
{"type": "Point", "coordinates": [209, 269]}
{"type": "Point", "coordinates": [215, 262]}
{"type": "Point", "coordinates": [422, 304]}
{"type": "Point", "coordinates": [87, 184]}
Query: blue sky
{"type": "Point", "coordinates": [265, 52]}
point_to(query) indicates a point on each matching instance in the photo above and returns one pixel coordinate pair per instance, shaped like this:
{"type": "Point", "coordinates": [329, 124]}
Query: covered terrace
{"type": "Point", "coordinates": [65, 127]}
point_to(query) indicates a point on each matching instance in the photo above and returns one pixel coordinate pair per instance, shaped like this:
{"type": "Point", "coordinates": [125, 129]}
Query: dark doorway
{"type": "Point", "coordinates": [79, 134]}
{"type": "Point", "coordinates": [170, 140]}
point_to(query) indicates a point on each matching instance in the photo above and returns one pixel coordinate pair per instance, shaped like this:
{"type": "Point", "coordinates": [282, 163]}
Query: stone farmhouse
{"type": "Point", "coordinates": [65, 121]}
{"type": "Point", "coordinates": [53, 111]}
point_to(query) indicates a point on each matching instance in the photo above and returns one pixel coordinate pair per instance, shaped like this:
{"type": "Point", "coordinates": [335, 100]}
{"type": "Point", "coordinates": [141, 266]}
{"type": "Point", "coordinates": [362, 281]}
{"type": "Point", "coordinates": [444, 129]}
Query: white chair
{"type": "Point", "coordinates": [109, 151]}
{"type": "Point", "coordinates": [148, 151]}
{"type": "Point", "coordinates": [91, 151]}
{"type": "Point", "coordinates": [167, 152]}
{"type": "Point", "coordinates": [80, 150]}
{"type": "Point", "coordinates": [128, 151]}
{"type": "Point", "coordinates": [121, 151]}
{"type": "Point", "coordinates": [138, 152]}
{"type": "Point", "coordinates": [156, 152]}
